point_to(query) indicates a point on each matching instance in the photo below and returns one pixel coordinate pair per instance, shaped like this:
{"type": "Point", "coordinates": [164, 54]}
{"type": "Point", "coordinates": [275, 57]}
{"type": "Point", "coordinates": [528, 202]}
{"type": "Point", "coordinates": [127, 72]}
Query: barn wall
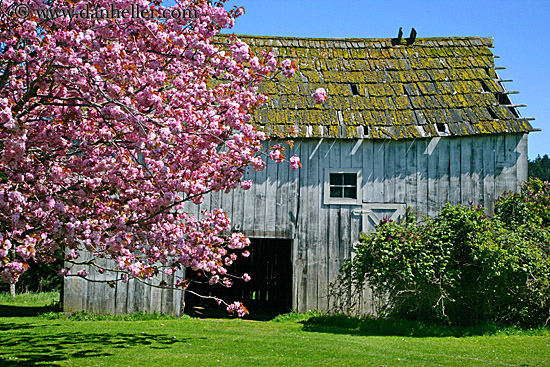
{"type": "Point", "coordinates": [97, 296]}
{"type": "Point", "coordinates": [423, 173]}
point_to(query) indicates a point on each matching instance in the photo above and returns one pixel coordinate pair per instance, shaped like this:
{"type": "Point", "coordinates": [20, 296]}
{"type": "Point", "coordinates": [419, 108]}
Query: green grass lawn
{"type": "Point", "coordinates": [295, 340]}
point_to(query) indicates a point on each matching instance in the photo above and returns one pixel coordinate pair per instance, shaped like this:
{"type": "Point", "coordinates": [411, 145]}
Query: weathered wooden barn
{"type": "Point", "coordinates": [407, 123]}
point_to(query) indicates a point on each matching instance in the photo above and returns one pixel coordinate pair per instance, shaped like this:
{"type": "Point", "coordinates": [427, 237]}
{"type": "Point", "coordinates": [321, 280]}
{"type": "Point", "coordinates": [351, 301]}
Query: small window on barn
{"type": "Point", "coordinates": [342, 186]}
{"type": "Point", "coordinates": [354, 89]}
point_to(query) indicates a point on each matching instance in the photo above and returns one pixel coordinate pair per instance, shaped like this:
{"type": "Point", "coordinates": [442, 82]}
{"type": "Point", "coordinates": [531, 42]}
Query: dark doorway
{"type": "Point", "coordinates": [267, 294]}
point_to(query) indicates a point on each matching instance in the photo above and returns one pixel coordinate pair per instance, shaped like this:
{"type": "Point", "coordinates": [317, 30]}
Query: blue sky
{"type": "Point", "coordinates": [521, 32]}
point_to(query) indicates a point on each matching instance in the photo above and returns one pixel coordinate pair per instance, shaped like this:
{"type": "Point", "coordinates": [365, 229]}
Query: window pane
{"type": "Point", "coordinates": [350, 179]}
{"type": "Point", "coordinates": [335, 192]}
{"type": "Point", "coordinates": [350, 192]}
{"type": "Point", "coordinates": [336, 178]}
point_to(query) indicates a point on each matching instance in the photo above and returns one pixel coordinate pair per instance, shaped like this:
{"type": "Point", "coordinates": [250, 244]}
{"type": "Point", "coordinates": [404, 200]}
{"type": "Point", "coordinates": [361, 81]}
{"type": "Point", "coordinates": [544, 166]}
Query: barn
{"type": "Point", "coordinates": [408, 123]}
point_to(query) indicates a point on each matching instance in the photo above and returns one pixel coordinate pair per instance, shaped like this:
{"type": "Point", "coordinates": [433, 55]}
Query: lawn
{"type": "Point", "coordinates": [294, 340]}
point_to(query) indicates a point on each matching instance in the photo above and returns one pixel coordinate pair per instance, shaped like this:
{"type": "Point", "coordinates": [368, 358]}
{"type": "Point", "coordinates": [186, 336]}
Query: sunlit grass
{"type": "Point", "coordinates": [29, 299]}
{"type": "Point", "coordinates": [310, 339]}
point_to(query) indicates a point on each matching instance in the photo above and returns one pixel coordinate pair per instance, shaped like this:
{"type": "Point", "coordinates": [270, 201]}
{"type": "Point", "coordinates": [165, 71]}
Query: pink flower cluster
{"type": "Point", "coordinates": [111, 129]}
{"type": "Point", "coordinates": [237, 307]}
{"type": "Point", "coordinates": [320, 95]}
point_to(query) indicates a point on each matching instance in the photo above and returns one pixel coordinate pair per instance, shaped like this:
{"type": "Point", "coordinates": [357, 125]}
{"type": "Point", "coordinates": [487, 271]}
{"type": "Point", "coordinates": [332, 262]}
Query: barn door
{"type": "Point", "coordinates": [268, 294]}
{"type": "Point", "coordinates": [373, 213]}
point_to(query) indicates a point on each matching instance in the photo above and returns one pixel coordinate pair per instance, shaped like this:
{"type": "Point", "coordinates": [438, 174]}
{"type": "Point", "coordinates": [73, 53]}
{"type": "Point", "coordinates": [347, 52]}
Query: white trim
{"type": "Point", "coordinates": [368, 212]}
{"type": "Point", "coordinates": [327, 200]}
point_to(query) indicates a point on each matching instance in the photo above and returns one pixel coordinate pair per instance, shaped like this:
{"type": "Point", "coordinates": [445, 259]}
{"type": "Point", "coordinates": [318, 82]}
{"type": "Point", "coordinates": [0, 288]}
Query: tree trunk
{"type": "Point", "coordinates": [12, 290]}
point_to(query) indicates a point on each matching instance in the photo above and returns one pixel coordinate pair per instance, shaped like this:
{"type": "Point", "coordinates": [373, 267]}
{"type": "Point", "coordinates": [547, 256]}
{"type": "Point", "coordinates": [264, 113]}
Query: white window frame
{"type": "Point", "coordinates": [327, 200]}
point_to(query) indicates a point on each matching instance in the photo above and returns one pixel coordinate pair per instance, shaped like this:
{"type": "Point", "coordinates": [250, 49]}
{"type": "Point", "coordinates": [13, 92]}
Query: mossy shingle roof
{"type": "Point", "coordinates": [378, 89]}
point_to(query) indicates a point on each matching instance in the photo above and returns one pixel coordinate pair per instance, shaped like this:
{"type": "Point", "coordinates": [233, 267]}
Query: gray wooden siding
{"type": "Point", "coordinates": [96, 296]}
{"type": "Point", "coordinates": [424, 174]}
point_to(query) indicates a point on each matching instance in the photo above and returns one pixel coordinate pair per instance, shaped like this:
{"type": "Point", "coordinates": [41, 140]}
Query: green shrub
{"type": "Point", "coordinates": [460, 267]}
{"type": "Point", "coordinates": [529, 206]}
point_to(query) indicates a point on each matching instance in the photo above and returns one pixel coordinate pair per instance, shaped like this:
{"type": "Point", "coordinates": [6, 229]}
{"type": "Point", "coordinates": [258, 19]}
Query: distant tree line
{"type": "Point", "coordinates": [540, 168]}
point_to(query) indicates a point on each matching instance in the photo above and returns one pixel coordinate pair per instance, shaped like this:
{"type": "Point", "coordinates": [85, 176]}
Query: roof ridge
{"type": "Point", "coordinates": [286, 41]}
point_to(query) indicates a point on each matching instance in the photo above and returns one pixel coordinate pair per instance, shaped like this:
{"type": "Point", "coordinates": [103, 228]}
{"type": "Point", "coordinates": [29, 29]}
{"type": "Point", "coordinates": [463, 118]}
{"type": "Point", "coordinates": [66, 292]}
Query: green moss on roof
{"type": "Point", "coordinates": [403, 90]}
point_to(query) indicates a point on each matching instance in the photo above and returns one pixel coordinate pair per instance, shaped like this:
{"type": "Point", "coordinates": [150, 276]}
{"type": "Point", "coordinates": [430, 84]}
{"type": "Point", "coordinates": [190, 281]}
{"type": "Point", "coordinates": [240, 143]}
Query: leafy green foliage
{"type": "Point", "coordinates": [462, 267]}
{"type": "Point", "coordinates": [41, 277]}
{"type": "Point", "coordinates": [540, 168]}
{"type": "Point", "coordinates": [530, 206]}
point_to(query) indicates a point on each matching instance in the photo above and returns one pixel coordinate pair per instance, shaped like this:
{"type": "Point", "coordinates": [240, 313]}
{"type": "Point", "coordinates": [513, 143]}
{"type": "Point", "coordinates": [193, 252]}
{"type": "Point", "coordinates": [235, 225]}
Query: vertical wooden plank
{"type": "Point", "coordinates": [121, 298]}
{"type": "Point", "coordinates": [332, 160]}
{"type": "Point", "coordinates": [522, 160]}
{"type": "Point", "coordinates": [322, 155]}
{"type": "Point", "coordinates": [443, 173]}
{"type": "Point", "coordinates": [467, 194]}
{"type": "Point", "coordinates": [500, 165]}
{"type": "Point", "coordinates": [75, 289]}
{"type": "Point", "coordinates": [400, 172]}
{"type": "Point", "coordinates": [226, 204]}
{"type": "Point", "coordinates": [249, 203]}
{"type": "Point", "coordinates": [131, 296]}
{"type": "Point", "coordinates": [260, 203]}
{"type": "Point", "coordinates": [488, 143]}
{"type": "Point", "coordinates": [300, 259]}
{"type": "Point", "coordinates": [511, 144]}
{"type": "Point", "coordinates": [432, 154]}
{"type": "Point", "coordinates": [282, 198]}
{"type": "Point", "coordinates": [477, 169]}
{"type": "Point", "coordinates": [455, 193]}
{"type": "Point", "coordinates": [107, 304]}
{"type": "Point", "coordinates": [412, 174]}
{"type": "Point", "coordinates": [333, 245]}
{"type": "Point", "coordinates": [92, 291]}
{"type": "Point", "coordinates": [357, 161]}
{"type": "Point", "coordinates": [270, 201]}
{"type": "Point", "coordinates": [378, 172]}
{"type": "Point", "coordinates": [422, 177]}
{"type": "Point", "coordinates": [389, 171]}
{"type": "Point", "coordinates": [156, 295]}
{"type": "Point", "coordinates": [291, 212]}
{"type": "Point", "coordinates": [368, 170]}
{"type": "Point", "coordinates": [313, 238]}
{"type": "Point", "coordinates": [237, 208]}
{"type": "Point", "coordinates": [139, 296]}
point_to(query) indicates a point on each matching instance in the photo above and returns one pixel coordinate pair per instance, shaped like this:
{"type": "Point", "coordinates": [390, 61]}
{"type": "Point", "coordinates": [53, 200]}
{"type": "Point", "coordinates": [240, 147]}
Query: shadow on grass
{"type": "Point", "coordinates": [27, 349]}
{"type": "Point", "coordinates": [22, 311]}
{"type": "Point", "coordinates": [340, 324]}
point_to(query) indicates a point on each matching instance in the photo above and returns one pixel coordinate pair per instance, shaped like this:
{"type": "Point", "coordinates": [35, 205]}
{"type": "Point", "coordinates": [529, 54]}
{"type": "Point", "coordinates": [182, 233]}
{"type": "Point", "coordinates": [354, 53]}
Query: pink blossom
{"type": "Point", "coordinates": [213, 280]}
{"type": "Point", "coordinates": [295, 162]}
{"type": "Point", "coordinates": [288, 68]}
{"type": "Point", "coordinates": [25, 251]}
{"type": "Point", "coordinates": [320, 95]}
{"type": "Point", "coordinates": [82, 273]}
{"type": "Point", "coordinates": [246, 184]}
{"type": "Point", "coordinates": [276, 155]}
{"type": "Point", "coordinates": [72, 255]}
{"type": "Point", "coordinates": [246, 277]}
{"type": "Point", "coordinates": [132, 123]}
{"type": "Point", "coordinates": [237, 307]}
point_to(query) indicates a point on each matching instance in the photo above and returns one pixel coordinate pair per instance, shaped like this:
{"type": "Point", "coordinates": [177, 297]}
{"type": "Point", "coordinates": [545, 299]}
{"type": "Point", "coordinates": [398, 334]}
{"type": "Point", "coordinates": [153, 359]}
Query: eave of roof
{"type": "Point", "coordinates": [433, 87]}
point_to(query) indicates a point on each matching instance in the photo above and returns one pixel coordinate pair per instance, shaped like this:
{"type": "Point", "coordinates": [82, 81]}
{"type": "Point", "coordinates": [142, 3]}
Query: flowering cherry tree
{"type": "Point", "coordinates": [109, 126]}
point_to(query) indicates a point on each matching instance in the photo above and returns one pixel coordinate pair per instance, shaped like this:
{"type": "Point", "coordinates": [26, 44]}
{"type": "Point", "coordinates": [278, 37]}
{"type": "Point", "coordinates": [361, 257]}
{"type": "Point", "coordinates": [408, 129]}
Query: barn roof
{"type": "Point", "coordinates": [384, 88]}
